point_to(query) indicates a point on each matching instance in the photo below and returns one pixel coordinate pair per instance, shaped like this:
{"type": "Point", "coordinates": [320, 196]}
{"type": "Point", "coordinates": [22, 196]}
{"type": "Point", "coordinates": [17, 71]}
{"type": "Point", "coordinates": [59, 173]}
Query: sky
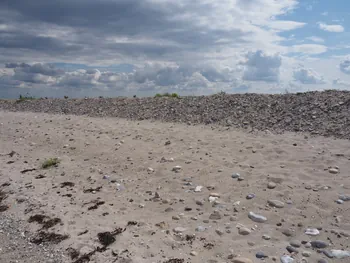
{"type": "Point", "coordinates": [87, 48]}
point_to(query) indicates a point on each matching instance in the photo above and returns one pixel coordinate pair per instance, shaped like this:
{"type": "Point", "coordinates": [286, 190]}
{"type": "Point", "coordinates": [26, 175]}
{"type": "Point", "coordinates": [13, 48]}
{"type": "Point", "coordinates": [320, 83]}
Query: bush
{"type": "Point", "coordinates": [173, 95]}
{"type": "Point", "coordinates": [50, 162]}
{"type": "Point", "coordinates": [24, 98]}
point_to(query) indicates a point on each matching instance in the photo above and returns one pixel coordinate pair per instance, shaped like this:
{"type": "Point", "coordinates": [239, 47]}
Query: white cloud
{"type": "Point", "coordinates": [331, 28]}
{"type": "Point", "coordinates": [308, 49]}
{"type": "Point", "coordinates": [307, 76]}
{"type": "Point", "coordinates": [324, 14]}
{"type": "Point", "coordinates": [345, 65]}
{"type": "Point", "coordinates": [284, 25]}
{"type": "Point", "coordinates": [338, 82]}
{"type": "Point", "coordinates": [315, 39]}
{"type": "Point", "coordinates": [261, 67]}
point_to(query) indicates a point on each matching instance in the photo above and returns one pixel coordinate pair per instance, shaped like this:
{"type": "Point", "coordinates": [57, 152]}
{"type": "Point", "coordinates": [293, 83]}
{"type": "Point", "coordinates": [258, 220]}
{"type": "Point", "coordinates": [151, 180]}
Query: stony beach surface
{"type": "Point", "coordinates": [149, 187]}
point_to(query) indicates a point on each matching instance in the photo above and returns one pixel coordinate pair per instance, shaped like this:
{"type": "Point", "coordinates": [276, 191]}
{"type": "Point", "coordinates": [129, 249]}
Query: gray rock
{"type": "Point", "coordinates": [319, 244]}
{"type": "Point", "coordinates": [257, 218]}
{"type": "Point", "coordinates": [328, 254]}
{"type": "Point", "coordinates": [275, 203]}
{"type": "Point", "coordinates": [271, 185]}
{"type": "Point", "coordinates": [333, 170]}
{"type": "Point", "coordinates": [312, 231]}
{"type": "Point", "coordinates": [201, 228]}
{"type": "Point", "coordinates": [339, 201]}
{"type": "Point", "coordinates": [179, 229]}
{"type": "Point", "coordinates": [340, 254]}
{"type": "Point", "coordinates": [266, 237]}
{"type": "Point", "coordinates": [250, 196]}
{"type": "Point", "coordinates": [291, 249]}
{"type": "Point", "coordinates": [260, 255]}
{"type": "Point", "coordinates": [199, 202]}
{"type": "Point", "coordinates": [193, 253]}
{"type": "Point", "coordinates": [176, 218]}
{"type": "Point", "coordinates": [219, 232]}
{"type": "Point", "coordinates": [322, 261]}
{"type": "Point", "coordinates": [244, 231]}
{"type": "Point", "coordinates": [235, 175]}
{"type": "Point", "coordinates": [241, 260]}
{"type": "Point", "coordinates": [306, 254]}
{"type": "Point", "coordinates": [344, 197]}
{"type": "Point", "coordinates": [215, 215]}
{"type": "Point", "coordinates": [295, 243]}
{"type": "Point", "coordinates": [287, 259]}
{"type": "Point", "coordinates": [287, 232]}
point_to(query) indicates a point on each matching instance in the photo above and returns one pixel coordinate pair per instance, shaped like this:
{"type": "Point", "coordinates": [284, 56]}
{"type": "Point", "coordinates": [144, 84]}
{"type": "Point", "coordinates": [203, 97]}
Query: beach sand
{"type": "Point", "coordinates": [141, 176]}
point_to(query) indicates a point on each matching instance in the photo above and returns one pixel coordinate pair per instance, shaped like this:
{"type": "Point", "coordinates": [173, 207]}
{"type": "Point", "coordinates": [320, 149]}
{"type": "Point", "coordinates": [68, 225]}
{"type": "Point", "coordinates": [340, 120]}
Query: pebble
{"type": "Point", "coordinates": [306, 254]}
{"type": "Point", "coordinates": [176, 218]}
{"type": "Point", "coordinates": [322, 261]}
{"type": "Point", "coordinates": [214, 195]}
{"type": "Point", "coordinates": [212, 199]}
{"type": "Point", "coordinates": [219, 232]}
{"type": "Point", "coordinates": [198, 188]}
{"type": "Point", "coordinates": [308, 245]}
{"type": "Point", "coordinates": [266, 237]}
{"type": "Point", "coordinates": [235, 175]}
{"type": "Point", "coordinates": [257, 218]}
{"type": "Point", "coordinates": [345, 198]}
{"type": "Point", "coordinates": [340, 253]}
{"type": "Point", "coordinates": [291, 249]}
{"type": "Point", "coordinates": [179, 229]}
{"type": "Point", "coordinates": [177, 168]}
{"type": "Point", "coordinates": [194, 253]}
{"type": "Point", "coordinates": [271, 185]}
{"type": "Point", "coordinates": [328, 253]}
{"type": "Point", "coordinates": [200, 228]}
{"type": "Point", "coordinates": [312, 231]}
{"type": "Point", "coordinates": [333, 170]}
{"type": "Point", "coordinates": [215, 215]}
{"type": "Point", "coordinates": [149, 169]}
{"type": "Point", "coordinates": [244, 231]}
{"type": "Point", "coordinates": [339, 201]}
{"type": "Point", "coordinates": [295, 243]}
{"type": "Point", "coordinates": [260, 255]}
{"type": "Point", "coordinates": [169, 209]}
{"type": "Point", "coordinates": [319, 244]}
{"type": "Point", "coordinates": [275, 203]}
{"type": "Point", "coordinates": [286, 259]}
{"type": "Point", "coordinates": [287, 232]}
{"type": "Point", "coordinates": [242, 260]}
{"type": "Point", "coordinates": [199, 202]}
{"type": "Point", "coordinates": [250, 196]}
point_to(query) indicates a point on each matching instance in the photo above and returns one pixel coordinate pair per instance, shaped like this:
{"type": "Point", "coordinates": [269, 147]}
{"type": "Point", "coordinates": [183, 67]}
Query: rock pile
{"type": "Point", "coordinates": [320, 113]}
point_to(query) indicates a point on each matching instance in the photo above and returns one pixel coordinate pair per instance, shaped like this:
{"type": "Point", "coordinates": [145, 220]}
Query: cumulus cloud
{"type": "Point", "coordinates": [261, 67]}
{"type": "Point", "coordinates": [315, 39]}
{"type": "Point", "coordinates": [311, 49]}
{"type": "Point", "coordinates": [345, 65]}
{"type": "Point", "coordinates": [331, 28]}
{"type": "Point", "coordinates": [307, 76]}
{"type": "Point", "coordinates": [339, 82]}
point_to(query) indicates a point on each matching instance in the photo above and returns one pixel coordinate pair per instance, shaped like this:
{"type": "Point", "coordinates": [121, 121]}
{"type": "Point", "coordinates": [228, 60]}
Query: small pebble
{"type": "Point", "coordinates": [219, 232]}
{"type": "Point", "coordinates": [319, 244]}
{"type": "Point", "coordinates": [198, 188]}
{"type": "Point", "coordinates": [257, 218]}
{"type": "Point", "coordinates": [275, 203]}
{"type": "Point", "coordinates": [241, 260]}
{"type": "Point", "coordinates": [235, 175]}
{"type": "Point", "coordinates": [333, 170]}
{"type": "Point", "coordinates": [250, 196]}
{"type": "Point", "coordinates": [194, 253]}
{"type": "Point", "coordinates": [271, 185]}
{"type": "Point", "coordinates": [322, 261]}
{"type": "Point", "coordinates": [200, 228]}
{"type": "Point", "coordinates": [287, 259]}
{"type": "Point", "coordinates": [260, 255]}
{"type": "Point", "coordinates": [312, 231]}
{"type": "Point", "coordinates": [215, 215]}
{"type": "Point", "coordinates": [295, 243]}
{"type": "Point", "coordinates": [179, 229]}
{"type": "Point", "coordinates": [244, 231]}
{"type": "Point", "coordinates": [339, 201]}
{"type": "Point", "coordinates": [306, 254]}
{"type": "Point", "coordinates": [291, 249]}
{"type": "Point", "coordinates": [266, 237]}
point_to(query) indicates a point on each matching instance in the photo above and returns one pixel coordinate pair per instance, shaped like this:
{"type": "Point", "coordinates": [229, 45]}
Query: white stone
{"type": "Point", "coordinates": [312, 232]}
{"type": "Point", "coordinates": [198, 188]}
{"type": "Point", "coordinates": [257, 218]}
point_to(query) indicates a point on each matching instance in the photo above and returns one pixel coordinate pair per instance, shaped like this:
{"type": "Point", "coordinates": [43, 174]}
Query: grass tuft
{"type": "Point", "coordinates": [50, 162]}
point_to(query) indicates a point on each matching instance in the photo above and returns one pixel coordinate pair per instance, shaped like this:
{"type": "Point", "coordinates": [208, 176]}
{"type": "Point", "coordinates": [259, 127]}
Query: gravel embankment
{"type": "Point", "coordinates": [322, 113]}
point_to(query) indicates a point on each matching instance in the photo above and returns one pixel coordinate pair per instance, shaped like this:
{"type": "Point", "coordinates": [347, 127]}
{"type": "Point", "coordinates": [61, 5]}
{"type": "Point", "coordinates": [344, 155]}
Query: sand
{"type": "Point", "coordinates": [139, 189]}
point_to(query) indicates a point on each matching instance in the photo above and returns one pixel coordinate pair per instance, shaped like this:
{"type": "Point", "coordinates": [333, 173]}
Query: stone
{"type": "Point", "coordinates": [275, 203]}
{"type": "Point", "coordinates": [295, 243]}
{"type": "Point", "coordinates": [271, 185]}
{"type": "Point", "coordinates": [219, 232]}
{"type": "Point", "coordinates": [199, 202]}
{"type": "Point", "coordinates": [328, 253]}
{"type": "Point", "coordinates": [149, 169]}
{"type": "Point", "coordinates": [340, 254]}
{"type": "Point", "coordinates": [194, 253]}
{"type": "Point", "coordinates": [312, 231]}
{"type": "Point", "coordinates": [169, 209]}
{"type": "Point", "coordinates": [215, 215]}
{"type": "Point", "coordinates": [345, 198]}
{"type": "Point", "coordinates": [287, 259]}
{"type": "Point", "coordinates": [322, 261]}
{"type": "Point", "coordinates": [266, 237]}
{"type": "Point", "coordinates": [306, 254]}
{"type": "Point", "coordinates": [250, 196]}
{"type": "Point", "coordinates": [235, 175]}
{"type": "Point", "coordinates": [176, 218]}
{"type": "Point", "coordinates": [212, 199]}
{"type": "Point", "coordinates": [179, 229]}
{"type": "Point", "coordinates": [241, 260]}
{"type": "Point", "coordinates": [291, 249]}
{"type": "Point", "coordinates": [198, 188]}
{"type": "Point", "coordinates": [339, 201]}
{"type": "Point", "coordinates": [201, 228]}
{"type": "Point", "coordinates": [333, 170]}
{"type": "Point", "coordinates": [257, 218]}
{"type": "Point", "coordinates": [308, 245]}
{"type": "Point", "coordinates": [287, 232]}
{"type": "Point", "coordinates": [319, 244]}
{"type": "Point", "coordinates": [244, 231]}
{"type": "Point", "coordinates": [214, 195]}
{"type": "Point", "coordinates": [260, 255]}
{"type": "Point", "coordinates": [177, 168]}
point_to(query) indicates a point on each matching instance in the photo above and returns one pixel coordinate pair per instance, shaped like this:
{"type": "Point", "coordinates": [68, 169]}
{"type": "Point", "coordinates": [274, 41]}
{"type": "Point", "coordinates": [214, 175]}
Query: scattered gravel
{"type": "Point", "coordinates": [320, 113]}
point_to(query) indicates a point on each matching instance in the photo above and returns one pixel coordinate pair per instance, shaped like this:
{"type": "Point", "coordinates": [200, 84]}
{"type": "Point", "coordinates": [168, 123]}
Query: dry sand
{"type": "Point", "coordinates": [129, 165]}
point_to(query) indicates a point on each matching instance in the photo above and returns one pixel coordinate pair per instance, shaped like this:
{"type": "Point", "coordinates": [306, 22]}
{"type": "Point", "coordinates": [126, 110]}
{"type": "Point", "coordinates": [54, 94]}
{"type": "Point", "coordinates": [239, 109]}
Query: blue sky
{"type": "Point", "coordinates": [126, 47]}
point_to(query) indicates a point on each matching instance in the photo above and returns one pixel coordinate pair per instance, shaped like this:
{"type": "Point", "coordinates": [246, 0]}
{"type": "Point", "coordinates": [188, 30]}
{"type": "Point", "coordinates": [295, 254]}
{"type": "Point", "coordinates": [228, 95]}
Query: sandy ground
{"type": "Point", "coordinates": [113, 171]}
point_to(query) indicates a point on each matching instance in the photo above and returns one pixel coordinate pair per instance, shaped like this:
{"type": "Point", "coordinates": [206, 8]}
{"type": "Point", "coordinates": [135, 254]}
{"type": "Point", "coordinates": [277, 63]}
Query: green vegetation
{"type": "Point", "coordinates": [50, 162]}
{"type": "Point", "coordinates": [26, 97]}
{"type": "Point", "coordinates": [172, 95]}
